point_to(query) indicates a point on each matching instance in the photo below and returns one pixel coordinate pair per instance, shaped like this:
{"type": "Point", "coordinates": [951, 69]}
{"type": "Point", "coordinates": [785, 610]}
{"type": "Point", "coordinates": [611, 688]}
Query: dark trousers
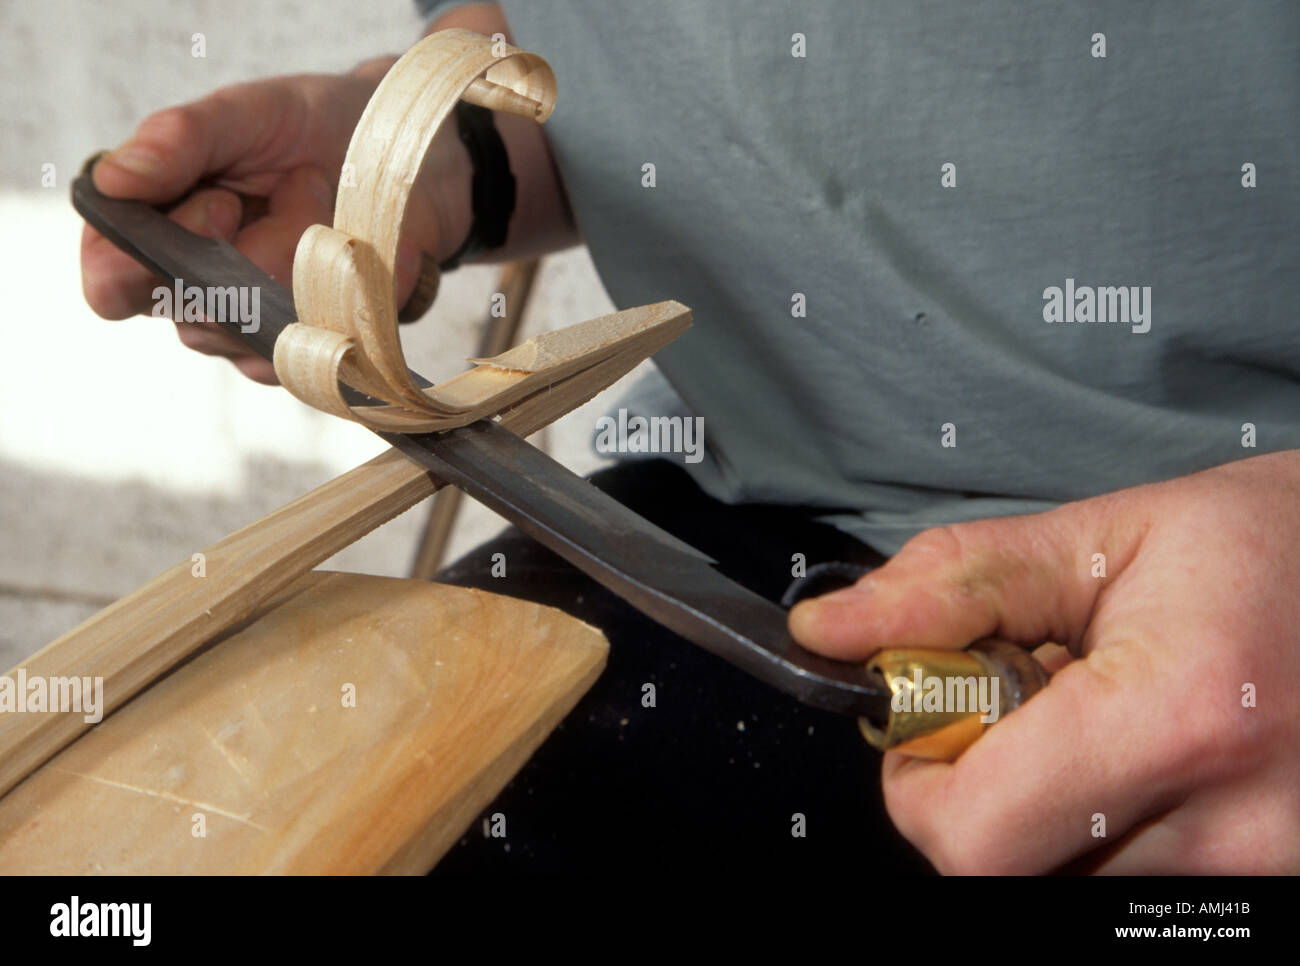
{"type": "Point", "coordinates": [714, 775]}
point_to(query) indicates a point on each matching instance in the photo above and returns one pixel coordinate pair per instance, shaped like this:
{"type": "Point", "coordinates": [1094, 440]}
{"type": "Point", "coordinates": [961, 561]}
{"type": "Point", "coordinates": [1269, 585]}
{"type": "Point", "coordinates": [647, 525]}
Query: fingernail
{"type": "Point", "coordinates": [138, 160]}
{"type": "Point", "coordinates": [803, 620]}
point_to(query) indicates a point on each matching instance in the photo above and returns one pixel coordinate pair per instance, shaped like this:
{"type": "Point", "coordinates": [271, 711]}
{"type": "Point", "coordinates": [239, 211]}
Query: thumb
{"type": "Point", "coordinates": [1025, 579]}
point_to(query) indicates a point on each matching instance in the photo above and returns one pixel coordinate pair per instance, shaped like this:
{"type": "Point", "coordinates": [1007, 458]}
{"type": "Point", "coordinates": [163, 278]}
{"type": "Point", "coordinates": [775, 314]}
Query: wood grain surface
{"type": "Point", "coordinates": [454, 689]}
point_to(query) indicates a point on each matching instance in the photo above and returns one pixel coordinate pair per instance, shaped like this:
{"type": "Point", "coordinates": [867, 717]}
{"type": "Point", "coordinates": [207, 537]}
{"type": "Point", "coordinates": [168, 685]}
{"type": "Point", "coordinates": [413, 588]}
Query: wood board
{"type": "Point", "coordinates": [454, 689]}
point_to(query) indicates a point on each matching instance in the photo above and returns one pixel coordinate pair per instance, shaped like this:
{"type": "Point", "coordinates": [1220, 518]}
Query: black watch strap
{"type": "Point", "coordinates": [492, 191]}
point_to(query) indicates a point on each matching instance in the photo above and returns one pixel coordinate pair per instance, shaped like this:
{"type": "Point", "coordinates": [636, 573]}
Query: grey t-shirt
{"type": "Point", "coordinates": [934, 182]}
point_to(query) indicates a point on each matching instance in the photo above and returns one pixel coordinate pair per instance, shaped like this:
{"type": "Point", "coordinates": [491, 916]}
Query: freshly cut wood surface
{"type": "Point", "coordinates": [454, 689]}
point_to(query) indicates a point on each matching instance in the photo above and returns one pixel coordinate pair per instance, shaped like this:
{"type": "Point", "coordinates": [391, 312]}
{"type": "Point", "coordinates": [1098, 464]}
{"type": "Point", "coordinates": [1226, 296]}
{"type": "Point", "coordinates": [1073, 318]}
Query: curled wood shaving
{"type": "Point", "coordinates": [343, 276]}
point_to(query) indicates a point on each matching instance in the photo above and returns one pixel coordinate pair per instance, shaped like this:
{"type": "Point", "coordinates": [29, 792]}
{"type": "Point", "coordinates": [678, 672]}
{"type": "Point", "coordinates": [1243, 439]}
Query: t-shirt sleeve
{"type": "Point", "coordinates": [430, 9]}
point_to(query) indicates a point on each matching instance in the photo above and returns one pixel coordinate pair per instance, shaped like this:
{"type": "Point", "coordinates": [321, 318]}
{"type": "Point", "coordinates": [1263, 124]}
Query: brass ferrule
{"type": "Point", "coordinates": [941, 701]}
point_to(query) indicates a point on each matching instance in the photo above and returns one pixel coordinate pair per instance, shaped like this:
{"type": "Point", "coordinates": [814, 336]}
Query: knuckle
{"type": "Point", "coordinates": [177, 125]}
{"type": "Point", "coordinates": [942, 543]}
{"type": "Point", "coordinates": [963, 557]}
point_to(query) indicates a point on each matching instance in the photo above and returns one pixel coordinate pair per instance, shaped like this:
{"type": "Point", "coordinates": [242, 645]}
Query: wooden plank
{"type": "Point", "coordinates": [454, 689]}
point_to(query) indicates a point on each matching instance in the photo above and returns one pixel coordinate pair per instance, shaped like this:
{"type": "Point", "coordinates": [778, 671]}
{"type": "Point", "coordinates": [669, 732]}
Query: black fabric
{"type": "Point", "coordinates": [492, 188]}
{"type": "Point", "coordinates": [823, 578]}
{"type": "Point", "coordinates": [712, 775]}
